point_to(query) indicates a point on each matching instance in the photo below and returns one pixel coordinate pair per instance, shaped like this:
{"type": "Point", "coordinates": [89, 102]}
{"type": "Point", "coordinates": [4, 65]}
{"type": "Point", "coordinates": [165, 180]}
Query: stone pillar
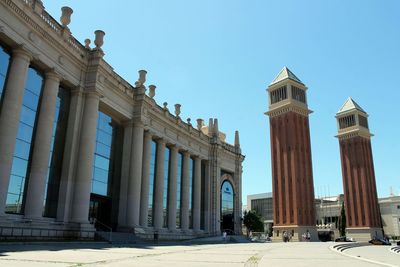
{"type": "Point", "coordinates": [9, 117]}
{"type": "Point", "coordinates": [172, 188]}
{"type": "Point", "coordinates": [125, 171]}
{"type": "Point", "coordinates": [185, 192]}
{"type": "Point", "coordinates": [71, 148]}
{"type": "Point", "coordinates": [135, 178]}
{"type": "Point", "coordinates": [196, 194]}
{"type": "Point", "coordinates": [144, 199]}
{"type": "Point", "coordinates": [84, 172]}
{"type": "Point", "coordinates": [41, 149]}
{"type": "Point", "coordinates": [159, 185]}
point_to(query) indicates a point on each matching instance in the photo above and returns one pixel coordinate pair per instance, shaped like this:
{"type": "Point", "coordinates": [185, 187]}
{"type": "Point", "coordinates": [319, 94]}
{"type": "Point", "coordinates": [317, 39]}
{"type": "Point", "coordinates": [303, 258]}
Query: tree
{"type": "Point", "coordinates": [342, 225]}
{"type": "Point", "coordinates": [253, 221]}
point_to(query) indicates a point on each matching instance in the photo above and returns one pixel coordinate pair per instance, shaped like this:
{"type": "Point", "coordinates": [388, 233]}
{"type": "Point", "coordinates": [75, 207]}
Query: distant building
{"type": "Point", "coordinates": [327, 212]}
{"type": "Point", "coordinates": [262, 204]}
{"type": "Point", "coordinates": [390, 212]}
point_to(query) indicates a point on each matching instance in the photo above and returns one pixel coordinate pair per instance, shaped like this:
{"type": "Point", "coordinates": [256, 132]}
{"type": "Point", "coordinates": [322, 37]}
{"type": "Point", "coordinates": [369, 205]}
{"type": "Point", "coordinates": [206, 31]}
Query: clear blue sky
{"type": "Point", "coordinates": [216, 58]}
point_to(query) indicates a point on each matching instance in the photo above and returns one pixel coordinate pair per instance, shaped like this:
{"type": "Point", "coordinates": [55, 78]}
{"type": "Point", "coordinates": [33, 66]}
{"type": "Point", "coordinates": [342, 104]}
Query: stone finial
{"type": "Point", "coordinates": [177, 109]}
{"type": "Point", "coordinates": [210, 127]}
{"type": "Point", "coordinates": [237, 142]}
{"type": "Point", "coordinates": [152, 91]}
{"type": "Point", "coordinates": [65, 18]}
{"type": "Point", "coordinates": [200, 124]}
{"type": "Point", "coordinates": [188, 121]}
{"type": "Point", "coordinates": [216, 130]}
{"type": "Point", "coordinates": [87, 43]}
{"type": "Point", "coordinates": [99, 39]}
{"type": "Point", "coordinates": [142, 77]}
{"type": "Point", "coordinates": [165, 104]}
{"type": "Point", "coordinates": [38, 6]}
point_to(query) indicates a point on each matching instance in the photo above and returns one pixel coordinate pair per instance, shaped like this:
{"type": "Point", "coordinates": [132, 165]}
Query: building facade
{"type": "Point", "coordinates": [363, 219]}
{"type": "Point", "coordinates": [82, 150]}
{"type": "Point", "coordinates": [390, 212]}
{"type": "Point", "coordinates": [292, 179]}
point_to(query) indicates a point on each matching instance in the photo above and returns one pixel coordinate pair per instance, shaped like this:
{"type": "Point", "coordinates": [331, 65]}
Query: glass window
{"type": "Point", "coordinates": [152, 174]}
{"type": "Point", "coordinates": [22, 150]}
{"type": "Point", "coordinates": [101, 164]}
{"type": "Point", "coordinates": [179, 190]}
{"type": "Point", "coordinates": [227, 205]}
{"type": "Point", "coordinates": [190, 205]}
{"type": "Point", "coordinates": [166, 184]}
{"type": "Point", "coordinates": [4, 62]}
{"type": "Point", "coordinates": [56, 153]}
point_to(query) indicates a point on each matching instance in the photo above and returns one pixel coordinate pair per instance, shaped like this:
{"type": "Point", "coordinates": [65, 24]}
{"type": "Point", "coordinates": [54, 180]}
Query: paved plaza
{"type": "Point", "coordinates": [176, 255]}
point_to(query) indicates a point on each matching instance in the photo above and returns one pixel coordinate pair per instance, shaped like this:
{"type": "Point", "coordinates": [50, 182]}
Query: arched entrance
{"type": "Point", "coordinates": [227, 206]}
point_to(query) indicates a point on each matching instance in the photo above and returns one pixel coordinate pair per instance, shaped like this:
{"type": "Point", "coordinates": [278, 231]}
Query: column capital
{"type": "Point", "coordinates": [185, 153]}
{"type": "Point", "coordinates": [161, 141]}
{"type": "Point", "coordinates": [21, 52]}
{"type": "Point", "coordinates": [92, 93]}
{"type": "Point", "coordinates": [174, 148]}
{"type": "Point", "coordinates": [51, 74]}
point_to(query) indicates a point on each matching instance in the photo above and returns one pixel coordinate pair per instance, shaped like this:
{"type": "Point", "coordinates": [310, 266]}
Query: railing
{"type": "Point", "coordinates": [95, 221]}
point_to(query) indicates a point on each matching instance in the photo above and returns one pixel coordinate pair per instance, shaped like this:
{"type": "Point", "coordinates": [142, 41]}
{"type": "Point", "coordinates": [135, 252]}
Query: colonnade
{"type": "Point", "coordinates": [137, 205]}
{"type": "Point", "coordinates": [137, 139]}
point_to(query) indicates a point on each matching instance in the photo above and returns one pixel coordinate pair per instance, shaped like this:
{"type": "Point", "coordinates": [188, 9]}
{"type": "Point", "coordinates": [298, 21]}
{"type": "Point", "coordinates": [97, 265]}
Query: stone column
{"type": "Point", "coordinates": [125, 171]}
{"type": "Point", "coordinates": [135, 178]}
{"type": "Point", "coordinates": [185, 192]}
{"type": "Point", "coordinates": [41, 149]}
{"type": "Point", "coordinates": [84, 172]}
{"type": "Point", "coordinates": [172, 188]}
{"type": "Point", "coordinates": [196, 194]}
{"type": "Point", "coordinates": [9, 117]}
{"type": "Point", "coordinates": [159, 185]}
{"type": "Point", "coordinates": [144, 199]}
{"type": "Point", "coordinates": [71, 148]}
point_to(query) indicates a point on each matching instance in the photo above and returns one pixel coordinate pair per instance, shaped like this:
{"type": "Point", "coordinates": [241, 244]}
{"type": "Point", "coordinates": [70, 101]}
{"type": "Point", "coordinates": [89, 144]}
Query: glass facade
{"type": "Point", "coordinates": [20, 165]}
{"type": "Point", "coordinates": [56, 153]}
{"type": "Point", "coordinates": [166, 185]}
{"type": "Point", "coordinates": [4, 62]}
{"type": "Point", "coordinates": [152, 173]}
{"type": "Point", "coordinates": [227, 205]}
{"type": "Point", "coordinates": [102, 156]}
{"type": "Point", "coordinates": [190, 205]}
{"type": "Point", "coordinates": [179, 190]}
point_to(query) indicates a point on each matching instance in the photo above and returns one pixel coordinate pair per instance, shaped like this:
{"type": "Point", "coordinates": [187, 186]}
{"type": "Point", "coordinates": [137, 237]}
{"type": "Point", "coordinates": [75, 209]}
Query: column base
{"type": "Point", "coordinates": [364, 234]}
{"type": "Point", "coordinates": [296, 232]}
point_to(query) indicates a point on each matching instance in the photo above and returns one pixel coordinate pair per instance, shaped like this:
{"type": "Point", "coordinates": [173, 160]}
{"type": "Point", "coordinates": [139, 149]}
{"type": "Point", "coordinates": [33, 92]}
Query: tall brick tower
{"type": "Point", "coordinates": [292, 178]}
{"type": "Point", "coordinates": [363, 217]}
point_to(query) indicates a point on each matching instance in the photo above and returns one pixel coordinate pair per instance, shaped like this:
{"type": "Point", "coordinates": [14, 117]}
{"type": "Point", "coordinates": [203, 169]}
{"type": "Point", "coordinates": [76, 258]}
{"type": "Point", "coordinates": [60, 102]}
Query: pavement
{"type": "Point", "coordinates": [194, 254]}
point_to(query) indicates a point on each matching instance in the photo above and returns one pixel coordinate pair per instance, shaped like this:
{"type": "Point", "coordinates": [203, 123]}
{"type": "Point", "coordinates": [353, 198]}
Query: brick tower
{"type": "Point", "coordinates": [363, 219]}
{"type": "Point", "coordinates": [292, 178]}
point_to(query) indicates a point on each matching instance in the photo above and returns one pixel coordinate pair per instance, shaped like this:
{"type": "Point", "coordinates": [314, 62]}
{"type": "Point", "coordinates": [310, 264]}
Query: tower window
{"type": "Point", "coordinates": [298, 94]}
{"type": "Point", "coordinates": [363, 121]}
{"type": "Point", "coordinates": [278, 95]}
{"type": "Point", "coordinates": [347, 121]}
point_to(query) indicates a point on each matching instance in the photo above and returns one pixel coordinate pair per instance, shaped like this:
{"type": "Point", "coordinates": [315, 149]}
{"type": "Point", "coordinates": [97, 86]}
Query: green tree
{"type": "Point", "coordinates": [342, 225]}
{"type": "Point", "coordinates": [253, 221]}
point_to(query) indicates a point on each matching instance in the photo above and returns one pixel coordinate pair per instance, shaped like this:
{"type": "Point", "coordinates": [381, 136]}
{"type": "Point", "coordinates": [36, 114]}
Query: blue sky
{"type": "Point", "coordinates": [216, 58]}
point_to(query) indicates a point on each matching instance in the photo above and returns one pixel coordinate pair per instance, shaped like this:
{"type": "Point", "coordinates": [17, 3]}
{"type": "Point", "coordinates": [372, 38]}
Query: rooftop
{"type": "Point", "coordinates": [284, 74]}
